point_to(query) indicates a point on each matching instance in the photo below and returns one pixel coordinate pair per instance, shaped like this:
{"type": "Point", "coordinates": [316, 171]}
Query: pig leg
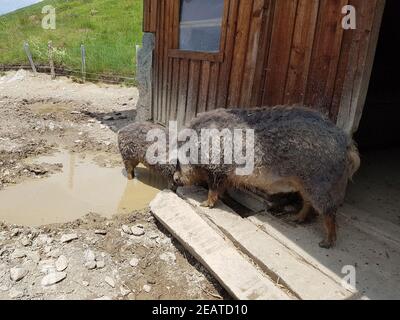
{"type": "Point", "coordinates": [130, 166]}
{"type": "Point", "coordinates": [330, 229]}
{"type": "Point", "coordinates": [304, 213]}
{"type": "Point", "coordinates": [214, 193]}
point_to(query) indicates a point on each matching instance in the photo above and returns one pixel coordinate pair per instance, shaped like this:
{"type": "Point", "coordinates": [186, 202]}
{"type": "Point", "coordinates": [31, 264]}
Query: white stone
{"type": "Point", "coordinates": [61, 263]}
{"type": "Point", "coordinates": [136, 231]}
{"type": "Point", "coordinates": [147, 288]}
{"type": "Point", "coordinates": [18, 253]}
{"type": "Point", "coordinates": [68, 237]}
{"type": "Point", "coordinates": [134, 262]}
{"type": "Point", "coordinates": [101, 232]}
{"type": "Point", "coordinates": [53, 278]}
{"type": "Point", "coordinates": [16, 274]}
{"type": "Point", "coordinates": [100, 264]}
{"type": "Point", "coordinates": [90, 265]}
{"type": "Point", "coordinates": [168, 257]}
{"type": "Point", "coordinates": [89, 255]}
{"type": "Point", "coordinates": [124, 291]}
{"type": "Point", "coordinates": [126, 229]}
{"type": "Point", "coordinates": [15, 294]}
{"type": "Point", "coordinates": [110, 281]}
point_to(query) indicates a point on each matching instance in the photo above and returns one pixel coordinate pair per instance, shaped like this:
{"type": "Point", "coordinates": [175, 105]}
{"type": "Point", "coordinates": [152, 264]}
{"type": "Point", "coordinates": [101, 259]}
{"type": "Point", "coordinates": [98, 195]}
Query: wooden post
{"type": "Point", "coordinates": [29, 55]}
{"type": "Point", "coordinates": [83, 53]}
{"type": "Point", "coordinates": [53, 73]}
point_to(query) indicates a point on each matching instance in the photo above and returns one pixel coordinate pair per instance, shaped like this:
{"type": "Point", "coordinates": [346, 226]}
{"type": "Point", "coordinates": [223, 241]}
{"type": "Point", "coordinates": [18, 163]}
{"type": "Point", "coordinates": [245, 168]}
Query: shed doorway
{"type": "Point", "coordinates": [376, 187]}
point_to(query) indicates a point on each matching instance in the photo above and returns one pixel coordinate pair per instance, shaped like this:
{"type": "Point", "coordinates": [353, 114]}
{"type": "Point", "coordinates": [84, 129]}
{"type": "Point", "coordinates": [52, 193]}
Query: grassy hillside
{"type": "Point", "coordinates": [109, 29]}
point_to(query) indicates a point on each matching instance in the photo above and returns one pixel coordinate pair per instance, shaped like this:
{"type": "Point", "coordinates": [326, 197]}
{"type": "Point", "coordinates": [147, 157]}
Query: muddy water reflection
{"type": "Point", "coordinates": [82, 187]}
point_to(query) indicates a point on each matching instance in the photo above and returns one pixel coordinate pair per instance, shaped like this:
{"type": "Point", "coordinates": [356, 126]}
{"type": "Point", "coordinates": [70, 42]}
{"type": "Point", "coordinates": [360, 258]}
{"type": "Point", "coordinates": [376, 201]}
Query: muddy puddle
{"type": "Point", "coordinates": [81, 188]}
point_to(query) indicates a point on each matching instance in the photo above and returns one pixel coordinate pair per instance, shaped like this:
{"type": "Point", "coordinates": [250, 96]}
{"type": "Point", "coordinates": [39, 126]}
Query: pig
{"type": "Point", "coordinates": [133, 146]}
{"type": "Point", "coordinates": [296, 150]}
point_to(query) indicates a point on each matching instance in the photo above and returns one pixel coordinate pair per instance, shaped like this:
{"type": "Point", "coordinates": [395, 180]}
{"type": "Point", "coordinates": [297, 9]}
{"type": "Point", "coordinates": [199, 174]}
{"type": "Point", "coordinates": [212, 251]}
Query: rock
{"type": "Point", "coordinates": [18, 253]}
{"type": "Point", "coordinates": [15, 232]}
{"type": "Point", "coordinates": [124, 291]}
{"type": "Point", "coordinates": [25, 242]}
{"type": "Point", "coordinates": [147, 288]}
{"type": "Point", "coordinates": [53, 278]}
{"type": "Point", "coordinates": [55, 253]}
{"type": "Point", "coordinates": [68, 237]}
{"type": "Point", "coordinates": [131, 296]}
{"type": "Point", "coordinates": [89, 255]}
{"type": "Point", "coordinates": [61, 263]}
{"type": "Point", "coordinates": [17, 274]}
{"type": "Point", "coordinates": [108, 118]}
{"type": "Point", "coordinates": [168, 257]}
{"type": "Point", "coordinates": [4, 288]}
{"type": "Point", "coordinates": [137, 231]}
{"type": "Point", "coordinates": [91, 265]}
{"type": "Point", "coordinates": [110, 281]}
{"type": "Point", "coordinates": [153, 236]}
{"type": "Point", "coordinates": [134, 262]}
{"type": "Point", "coordinates": [101, 232]}
{"type": "Point", "coordinates": [15, 294]}
{"type": "Point", "coordinates": [100, 264]}
{"type": "Point", "coordinates": [126, 229]}
{"type": "Point", "coordinates": [85, 283]}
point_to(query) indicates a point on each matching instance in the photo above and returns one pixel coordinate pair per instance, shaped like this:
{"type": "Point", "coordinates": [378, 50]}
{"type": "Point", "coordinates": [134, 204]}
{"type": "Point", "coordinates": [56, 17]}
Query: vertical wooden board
{"type": "Point", "coordinates": [213, 87]}
{"type": "Point", "coordinates": [167, 46]}
{"type": "Point", "coordinates": [240, 52]}
{"type": "Point", "coordinates": [300, 58]}
{"type": "Point", "coordinates": [370, 43]}
{"type": "Point", "coordinates": [193, 90]}
{"type": "Point", "coordinates": [355, 65]}
{"type": "Point", "coordinates": [278, 60]}
{"type": "Point", "coordinates": [146, 15]}
{"type": "Point", "coordinates": [182, 92]}
{"type": "Point", "coordinates": [204, 85]}
{"type": "Point", "coordinates": [156, 70]}
{"type": "Point", "coordinates": [153, 15]}
{"type": "Point", "coordinates": [174, 89]}
{"type": "Point", "coordinates": [262, 58]}
{"type": "Point", "coordinates": [229, 43]}
{"type": "Point", "coordinates": [161, 101]}
{"type": "Point", "coordinates": [325, 56]}
{"type": "Point", "coordinates": [252, 53]}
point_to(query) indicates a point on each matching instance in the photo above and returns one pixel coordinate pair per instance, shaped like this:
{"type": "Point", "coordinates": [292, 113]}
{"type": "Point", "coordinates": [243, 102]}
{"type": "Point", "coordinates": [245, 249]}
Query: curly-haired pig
{"type": "Point", "coordinates": [133, 146]}
{"type": "Point", "coordinates": [296, 149]}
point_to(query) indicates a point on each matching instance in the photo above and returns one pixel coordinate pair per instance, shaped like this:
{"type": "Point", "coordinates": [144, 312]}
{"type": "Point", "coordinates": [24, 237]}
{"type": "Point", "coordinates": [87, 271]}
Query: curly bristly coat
{"type": "Point", "coordinates": [133, 147]}
{"type": "Point", "coordinates": [296, 150]}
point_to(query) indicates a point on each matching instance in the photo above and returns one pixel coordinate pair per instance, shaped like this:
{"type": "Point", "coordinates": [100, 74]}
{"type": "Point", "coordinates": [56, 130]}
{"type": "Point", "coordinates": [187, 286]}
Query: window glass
{"type": "Point", "coordinates": [200, 25]}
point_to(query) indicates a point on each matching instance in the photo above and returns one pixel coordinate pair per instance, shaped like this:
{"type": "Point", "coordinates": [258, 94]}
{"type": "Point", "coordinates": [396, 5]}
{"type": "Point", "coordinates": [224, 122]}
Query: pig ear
{"type": "Point", "coordinates": [178, 166]}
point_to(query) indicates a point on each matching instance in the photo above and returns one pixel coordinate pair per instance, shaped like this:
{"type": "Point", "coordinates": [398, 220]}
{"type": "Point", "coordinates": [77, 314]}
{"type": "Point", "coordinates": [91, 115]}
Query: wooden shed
{"type": "Point", "coordinates": [247, 53]}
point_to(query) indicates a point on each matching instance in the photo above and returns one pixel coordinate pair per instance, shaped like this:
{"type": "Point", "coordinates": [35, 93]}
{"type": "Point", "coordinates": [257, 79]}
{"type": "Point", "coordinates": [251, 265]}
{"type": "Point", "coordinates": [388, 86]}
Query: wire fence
{"type": "Point", "coordinates": [114, 64]}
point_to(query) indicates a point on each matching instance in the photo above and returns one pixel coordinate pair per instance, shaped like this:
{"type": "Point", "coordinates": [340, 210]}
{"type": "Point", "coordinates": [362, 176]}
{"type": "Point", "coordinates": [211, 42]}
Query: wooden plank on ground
{"type": "Point", "coordinates": [279, 262]}
{"type": "Point", "coordinates": [240, 278]}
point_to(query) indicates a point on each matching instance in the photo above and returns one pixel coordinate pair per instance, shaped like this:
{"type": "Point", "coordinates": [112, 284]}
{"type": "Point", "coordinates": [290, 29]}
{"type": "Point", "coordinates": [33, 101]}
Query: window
{"type": "Point", "coordinates": [200, 25]}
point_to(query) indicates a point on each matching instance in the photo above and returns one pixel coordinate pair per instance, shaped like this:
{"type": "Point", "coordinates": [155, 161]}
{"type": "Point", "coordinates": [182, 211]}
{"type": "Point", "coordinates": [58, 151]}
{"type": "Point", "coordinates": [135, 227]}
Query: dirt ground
{"type": "Point", "coordinates": [126, 257]}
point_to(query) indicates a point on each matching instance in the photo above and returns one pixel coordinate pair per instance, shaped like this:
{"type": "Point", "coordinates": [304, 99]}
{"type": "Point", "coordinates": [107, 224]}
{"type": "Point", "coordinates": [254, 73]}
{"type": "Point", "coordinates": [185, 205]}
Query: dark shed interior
{"type": "Point", "coordinates": [379, 127]}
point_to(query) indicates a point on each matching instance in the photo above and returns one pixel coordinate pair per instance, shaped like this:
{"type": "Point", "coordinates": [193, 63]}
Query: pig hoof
{"type": "Point", "coordinates": [207, 204]}
{"type": "Point", "coordinates": [325, 244]}
{"type": "Point", "coordinates": [131, 176]}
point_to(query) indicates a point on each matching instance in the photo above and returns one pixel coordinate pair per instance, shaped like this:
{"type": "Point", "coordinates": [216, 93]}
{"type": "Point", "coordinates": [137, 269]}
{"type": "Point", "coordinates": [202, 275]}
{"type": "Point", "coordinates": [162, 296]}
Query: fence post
{"type": "Point", "coordinates": [53, 72]}
{"type": "Point", "coordinates": [29, 55]}
{"type": "Point", "coordinates": [83, 53]}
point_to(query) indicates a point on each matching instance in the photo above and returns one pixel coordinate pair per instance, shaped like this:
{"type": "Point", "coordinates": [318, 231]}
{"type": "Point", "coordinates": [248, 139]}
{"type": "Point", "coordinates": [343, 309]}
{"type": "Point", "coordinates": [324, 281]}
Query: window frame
{"type": "Point", "coordinates": [175, 52]}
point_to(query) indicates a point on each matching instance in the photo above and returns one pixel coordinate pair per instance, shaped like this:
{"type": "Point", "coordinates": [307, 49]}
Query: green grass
{"type": "Point", "coordinates": [109, 29]}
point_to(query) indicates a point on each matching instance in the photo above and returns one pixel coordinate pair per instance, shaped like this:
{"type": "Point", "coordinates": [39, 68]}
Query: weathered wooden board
{"type": "Point", "coordinates": [302, 278]}
{"type": "Point", "coordinates": [240, 278]}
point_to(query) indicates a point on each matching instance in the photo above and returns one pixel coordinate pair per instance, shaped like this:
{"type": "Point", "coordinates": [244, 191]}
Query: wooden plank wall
{"type": "Point", "coordinates": [275, 52]}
